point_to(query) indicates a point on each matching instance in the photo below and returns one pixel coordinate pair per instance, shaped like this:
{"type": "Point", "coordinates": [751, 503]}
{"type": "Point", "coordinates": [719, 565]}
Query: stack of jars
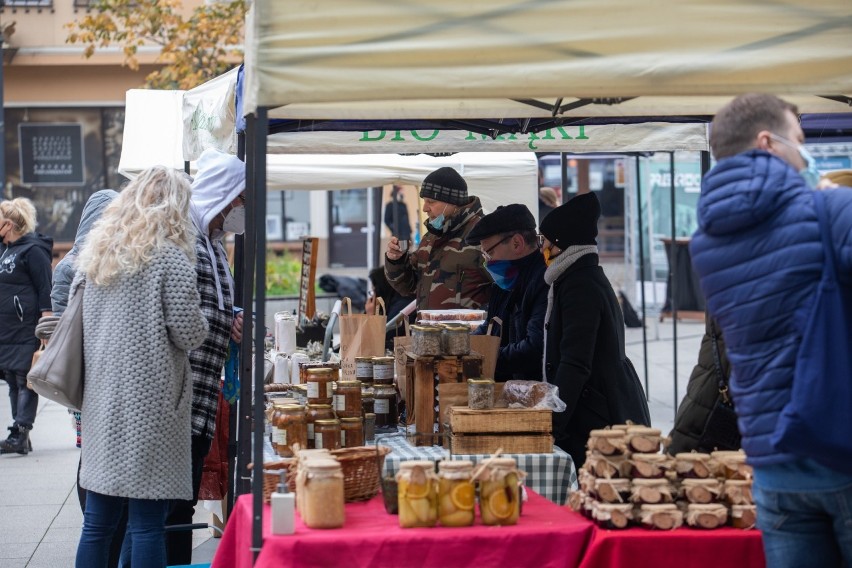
{"type": "Point", "coordinates": [448, 498]}
{"type": "Point", "coordinates": [625, 481]}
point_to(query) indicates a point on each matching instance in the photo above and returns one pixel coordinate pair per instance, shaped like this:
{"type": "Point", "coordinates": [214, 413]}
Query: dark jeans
{"type": "Point", "coordinates": [179, 543]}
{"type": "Point", "coordinates": [24, 401]}
{"type": "Point", "coordinates": [146, 527]}
{"type": "Point", "coordinates": [120, 529]}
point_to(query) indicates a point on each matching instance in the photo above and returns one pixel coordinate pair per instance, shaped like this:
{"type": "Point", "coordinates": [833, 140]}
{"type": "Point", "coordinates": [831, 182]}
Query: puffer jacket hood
{"type": "Point", "coordinates": [91, 212]}
{"type": "Point", "coordinates": [745, 190]}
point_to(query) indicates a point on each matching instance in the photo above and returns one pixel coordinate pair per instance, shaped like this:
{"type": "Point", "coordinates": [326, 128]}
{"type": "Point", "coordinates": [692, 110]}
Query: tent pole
{"type": "Point", "coordinates": [672, 276]}
{"type": "Point", "coordinates": [563, 166]}
{"type": "Point", "coordinates": [642, 273]}
{"type": "Point", "coordinates": [259, 215]}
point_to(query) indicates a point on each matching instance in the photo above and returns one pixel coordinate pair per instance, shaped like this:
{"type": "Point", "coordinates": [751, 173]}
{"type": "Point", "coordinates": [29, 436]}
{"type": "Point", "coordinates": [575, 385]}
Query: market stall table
{"type": "Point", "coordinates": [683, 548]}
{"type": "Point", "coordinates": [546, 536]}
{"type": "Point", "coordinates": [552, 475]}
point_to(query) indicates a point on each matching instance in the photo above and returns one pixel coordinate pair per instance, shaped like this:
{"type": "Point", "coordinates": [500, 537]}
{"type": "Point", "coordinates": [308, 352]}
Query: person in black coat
{"type": "Point", "coordinates": [25, 281]}
{"type": "Point", "coordinates": [584, 334]}
{"type": "Point", "coordinates": [396, 215]}
{"type": "Point", "coordinates": [509, 245]}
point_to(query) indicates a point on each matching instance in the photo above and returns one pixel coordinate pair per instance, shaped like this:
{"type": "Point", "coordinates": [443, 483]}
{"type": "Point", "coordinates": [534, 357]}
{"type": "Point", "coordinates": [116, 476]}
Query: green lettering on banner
{"type": "Point", "coordinates": [532, 138]}
{"type": "Point", "coordinates": [424, 138]}
{"type": "Point", "coordinates": [365, 136]}
{"type": "Point", "coordinates": [582, 135]}
{"type": "Point", "coordinates": [201, 121]}
{"type": "Point", "coordinates": [398, 137]}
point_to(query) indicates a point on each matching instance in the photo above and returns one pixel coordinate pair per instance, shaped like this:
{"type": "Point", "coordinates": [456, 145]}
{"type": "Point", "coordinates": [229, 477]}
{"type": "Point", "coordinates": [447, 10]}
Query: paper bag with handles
{"type": "Point", "coordinates": [401, 345]}
{"type": "Point", "coordinates": [488, 346]}
{"type": "Point", "coordinates": [361, 335]}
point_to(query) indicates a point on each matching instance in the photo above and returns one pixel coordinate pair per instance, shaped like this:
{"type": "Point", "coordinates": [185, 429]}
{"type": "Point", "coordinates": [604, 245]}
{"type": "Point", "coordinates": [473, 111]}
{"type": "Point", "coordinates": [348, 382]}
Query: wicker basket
{"type": "Point", "coordinates": [362, 469]}
{"type": "Point", "coordinates": [272, 477]}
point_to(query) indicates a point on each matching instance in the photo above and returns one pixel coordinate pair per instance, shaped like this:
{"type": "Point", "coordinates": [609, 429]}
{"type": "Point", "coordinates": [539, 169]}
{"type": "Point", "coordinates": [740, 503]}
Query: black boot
{"type": "Point", "coordinates": [18, 441]}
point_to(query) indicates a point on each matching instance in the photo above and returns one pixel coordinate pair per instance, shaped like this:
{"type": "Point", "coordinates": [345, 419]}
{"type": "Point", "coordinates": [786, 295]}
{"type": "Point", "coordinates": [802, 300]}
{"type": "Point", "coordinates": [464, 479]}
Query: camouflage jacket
{"type": "Point", "coordinates": [444, 272]}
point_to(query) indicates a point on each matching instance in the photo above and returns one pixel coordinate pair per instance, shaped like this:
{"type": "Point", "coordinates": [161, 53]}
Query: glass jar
{"type": "Point", "coordinates": [651, 491]}
{"type": "Point", "coordinates": [327, 434]}
{"type": "Point", "coordinates": [612, 515]}
{"type": "Point", "coordinates": [731, 465]}
{"type": "Point", "coordinates": [314, 412]}
{"type": "Point", "coordinates": [292, 429]}
{"type": "Point", "coordinates": [499, 491]}
{"type": "Point", "coordinates": [643, 440]}
{"type": "Point", "coordinates": [608, 442]}
{"type": "Point", "coordinates": [274, 420]}
{"type": "Point", "coordinates": [612, 490]}
{"type": "Point", "coordinates": [706, 516]}
{"type": "Point", "coordinates": [648, 466]}
{"type": "Point", "coordinates": [364, 369]}
{"type": "Point", "coordinates": [664, 517]}
{"type": "Point", "coordinates": [320, 385]}
{"type": "Point", "coordinates": [347, 399]}
{"type": "Point", "coordinates": [692, 465]}
{"type": "Point", "coordinates": [351, 432]}
{"type": "Point", "coordinates": [367, 401]}
{"type": "Point", "coordinates": [383, 370]}
{"type": "Point", "coordinates": [425, 340]}
{"type": "Point", "coordinates": [319, 486]}
{"type": "Point", "coordinates": [743, 516]}
{"type": "Point", "coordinates": [701, 491]}
{"type": "Point", "coordinates": [385, 405]}
{"type": "Point", "coordinates": [480, 394]}
{"type": "Point", "coordinates": [456, 495]}
{"type": "Point", "coordinates": [455, 340]}
{"type": "Point", "coordinates": [417, 494]}
{"type": "Point", "coordinates": [305, 366]}
{"type": "Point", "coordinates": [369, 427]}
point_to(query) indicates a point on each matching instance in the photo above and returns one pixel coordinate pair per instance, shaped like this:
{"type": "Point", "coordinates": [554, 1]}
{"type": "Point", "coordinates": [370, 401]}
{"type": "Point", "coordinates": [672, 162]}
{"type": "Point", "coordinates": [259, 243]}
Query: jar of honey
{"type": "Point", "coordinates": [417, 494]}
{"type": "Point", "coordinates": [292, 429]}
{"type": "Point", "coordinates": [347, 399]}
{"type": "Point", "coordinates": [499, 491]}
{"type": "Point", "coordinates": [386, 408]}
{"type": "Point", "coordinates": [314, 412]}
{"type": "Point", "coordinates": [327, 434]}
{"type": "Point", "coordinates": [351, 432]}
{"type": "Point", "coordinates": [319, 383]}
{"type": "Point", "coordinates": [456, 495]}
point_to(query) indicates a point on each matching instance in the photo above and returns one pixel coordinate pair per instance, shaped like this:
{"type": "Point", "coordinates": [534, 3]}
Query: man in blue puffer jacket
{"type": "Point", "coordinates": [759, 256]}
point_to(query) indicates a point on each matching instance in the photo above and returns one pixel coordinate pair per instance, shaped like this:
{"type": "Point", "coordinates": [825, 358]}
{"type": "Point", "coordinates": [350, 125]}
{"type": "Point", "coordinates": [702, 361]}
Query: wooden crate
{"type": "Point", "coordinates": [514, 430]}
{"type": "Point", "coordinates": [429, 372]}
{"type": "Point", "coordinates": [510, 444]}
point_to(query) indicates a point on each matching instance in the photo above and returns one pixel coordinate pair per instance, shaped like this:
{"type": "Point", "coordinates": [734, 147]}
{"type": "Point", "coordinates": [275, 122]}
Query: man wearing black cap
{"type": "Point", "coordinates": [445, 272]}
{"type": "Point", "coordinates": [584, 332]}
{"type": "Point", "coordinates": [509, 246]}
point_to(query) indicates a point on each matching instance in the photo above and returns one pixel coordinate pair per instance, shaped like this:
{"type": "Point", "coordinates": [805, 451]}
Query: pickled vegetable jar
{"type": "Point", "coordinates": [417, 494]}
{"type": "Point", "coordinates": [499, 491]}
{"type": "Point", "coordinates": [456, 494]}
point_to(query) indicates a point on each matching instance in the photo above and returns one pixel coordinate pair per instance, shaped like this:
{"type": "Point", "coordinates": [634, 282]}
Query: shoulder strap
{"type": "Point", "coordinates": [828, 269]}
{"type": "Point", "coordinates": [717, 363]}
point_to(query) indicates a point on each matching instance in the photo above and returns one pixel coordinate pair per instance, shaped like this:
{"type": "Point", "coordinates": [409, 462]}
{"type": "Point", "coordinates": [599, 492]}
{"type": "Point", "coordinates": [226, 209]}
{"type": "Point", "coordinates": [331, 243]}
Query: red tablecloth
{"type": "Point", "coordinates": [681, 548]}
{"type": "Point", "coordinates": [545, 537]}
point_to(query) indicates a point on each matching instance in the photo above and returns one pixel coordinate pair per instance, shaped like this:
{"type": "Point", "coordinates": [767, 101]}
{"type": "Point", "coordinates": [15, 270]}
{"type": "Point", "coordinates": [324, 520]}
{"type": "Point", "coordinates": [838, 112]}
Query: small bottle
{"type": "Point", "coordinates": [283, 504]}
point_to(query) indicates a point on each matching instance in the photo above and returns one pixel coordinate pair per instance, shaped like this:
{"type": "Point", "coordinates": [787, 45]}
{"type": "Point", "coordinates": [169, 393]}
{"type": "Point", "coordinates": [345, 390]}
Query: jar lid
{"type": "Point", "coordinates": [500, 462]}
{"type": "Point", "coordinates": [650, 482]}
{"type": "Point", "coordinates": [707, 507]}
{"type": "Point", "coordinates": [735, 482]}
{"type": "Point", "coordinates": [653, 458]}
{"type": "Point", "coordinates": [328, 421]}
{"type": "Point", "coordinates": [368, 393]}
{"type": "Point", "coordinates": [616, 481]}
{"type": "Point", "coordinates": [370, 415]}
{"type": "Point", "coordinates": [411, 464]}
{"type": "Point", "coordinates": [480, 381]}
{"type": "Point", "coordinates": [692, 456]}
{"type": "Point", "coordinates": [350, 384]}
{"type": "Point", "coordinates": [293, 408]}
{"type": "Point", "coordinates": [347, 420]}
{"type": "Point", "coordinates": [425, 329]}
{"type": "Point", "coordinates": [643, 431]}
{"type": "Point", "coordinates": [382, 359]}
{"type": "Point", "coordinates": [660, 507]}
{"type": "Point", "coordinates": [322, 371]}
{"type": "Point", "coordinates": [602, 433]}
{"type": "Point", "coordinates": [378, 388]}
{"type": "Point", "coordinates": [363, 359]}
{"type": "Point", "coordinates": [454, 465]}
{"type": "Point", "coordinates": [321, 464]}
{"type": "Point", "coordinates": [623, 507]}
{"type": "Point", "coordinates": [456, 328]}
{"type": "Point", "coordinates": [319, 406]}
{"type": "Point", "coordinates": [729, 456]}
{"type": "Point", "coordinates": [699, 482]}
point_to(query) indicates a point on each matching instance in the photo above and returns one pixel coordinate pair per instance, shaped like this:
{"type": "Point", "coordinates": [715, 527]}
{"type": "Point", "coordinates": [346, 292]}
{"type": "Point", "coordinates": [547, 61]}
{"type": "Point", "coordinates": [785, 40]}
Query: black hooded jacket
{"type": "Point", "coordinates": [25, 282]}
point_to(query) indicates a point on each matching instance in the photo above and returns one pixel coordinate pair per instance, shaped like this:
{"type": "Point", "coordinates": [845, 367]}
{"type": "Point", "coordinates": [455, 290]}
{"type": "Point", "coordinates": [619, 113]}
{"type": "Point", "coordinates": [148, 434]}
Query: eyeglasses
{"type": "Point", "coordinates": [487, 253]}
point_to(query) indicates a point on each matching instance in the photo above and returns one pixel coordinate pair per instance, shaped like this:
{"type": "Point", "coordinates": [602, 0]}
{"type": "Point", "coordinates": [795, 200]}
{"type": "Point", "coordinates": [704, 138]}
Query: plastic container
{"type": "Point", "coordinates": [417, 489]}
{"type": "Point", "coordinates": [456, 493]}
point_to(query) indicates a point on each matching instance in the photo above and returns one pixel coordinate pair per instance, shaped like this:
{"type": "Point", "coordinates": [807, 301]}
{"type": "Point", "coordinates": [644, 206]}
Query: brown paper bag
{"type": "Point", "coordinates": [401, 346]}
{"type": "Point", "coordinates": [488, 346]}
{"type": "Point", "coordinates": [361, 335]}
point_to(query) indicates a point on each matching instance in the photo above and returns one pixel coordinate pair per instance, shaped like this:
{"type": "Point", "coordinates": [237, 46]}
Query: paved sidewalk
{"type": "Point", "coordinates": [40, 517]}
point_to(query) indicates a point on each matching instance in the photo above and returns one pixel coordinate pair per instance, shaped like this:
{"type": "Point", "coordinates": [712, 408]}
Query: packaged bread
{"type": "Point", "coordinates": [451, 315]}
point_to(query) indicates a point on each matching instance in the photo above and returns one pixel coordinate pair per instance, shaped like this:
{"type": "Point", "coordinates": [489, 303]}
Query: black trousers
{"type": "Point", "coordinates": [179, 543]}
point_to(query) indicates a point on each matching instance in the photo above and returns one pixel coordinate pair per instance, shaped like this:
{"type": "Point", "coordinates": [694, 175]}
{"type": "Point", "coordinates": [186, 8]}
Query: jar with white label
{"type": "Point", "coordinates": [385, 407]}
{"type": "Point", "coordinates": [327, 434]}
{"type": "Point", "coordinates": [364, 369]}
{"type": "Point", "coordinates": [319, 381]}
{"type": "Point", "coordinates": [347, 399]}
{"type": "Point", "coordinates": [313, 413]}
{"type": "Point", "coordinates": [383, 370]}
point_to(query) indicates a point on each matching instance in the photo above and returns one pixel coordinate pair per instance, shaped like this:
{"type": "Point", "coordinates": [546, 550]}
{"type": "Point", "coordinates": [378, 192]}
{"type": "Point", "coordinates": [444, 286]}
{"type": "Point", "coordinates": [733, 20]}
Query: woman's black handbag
{"type": "Point", "coordinates": [720, 430]}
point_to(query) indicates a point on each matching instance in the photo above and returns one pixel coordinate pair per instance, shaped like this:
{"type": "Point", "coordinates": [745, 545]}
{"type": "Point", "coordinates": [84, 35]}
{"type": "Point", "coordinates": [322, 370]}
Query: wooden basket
{"type": "Point", "coordinates": [362, 468]}
{"type": "Point", "coordinates": [272, 477]}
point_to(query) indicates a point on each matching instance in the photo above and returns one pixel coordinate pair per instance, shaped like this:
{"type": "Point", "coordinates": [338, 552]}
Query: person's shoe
{"type": "Point", "coordinates": [18, 441]}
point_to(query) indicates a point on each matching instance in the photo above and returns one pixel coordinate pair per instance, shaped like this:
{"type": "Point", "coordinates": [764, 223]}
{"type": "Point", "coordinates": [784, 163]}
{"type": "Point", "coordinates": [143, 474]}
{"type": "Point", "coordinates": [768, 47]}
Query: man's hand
{"type": "Point", "coordinates": [237, 328]}
{"type": "Point", "coordinates": [825, 183]}
{"type": "Point", "coordinates": [394, 252]}
{"type": "Point", "coordinates": [370, 304]}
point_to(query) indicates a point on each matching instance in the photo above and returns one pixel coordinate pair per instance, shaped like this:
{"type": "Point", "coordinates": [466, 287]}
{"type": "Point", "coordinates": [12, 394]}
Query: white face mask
{"type": "Point", "coordinates": [235, 221]}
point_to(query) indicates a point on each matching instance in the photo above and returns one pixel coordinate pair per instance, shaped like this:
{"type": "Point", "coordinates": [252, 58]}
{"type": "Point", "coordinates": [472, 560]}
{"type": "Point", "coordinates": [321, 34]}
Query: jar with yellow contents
{"type": "Point", "coordinates": [456, 495]}
{"type": "Point", "coordinates": [417, 494]}
{"type": "Point", "coordinates": [499, 491]}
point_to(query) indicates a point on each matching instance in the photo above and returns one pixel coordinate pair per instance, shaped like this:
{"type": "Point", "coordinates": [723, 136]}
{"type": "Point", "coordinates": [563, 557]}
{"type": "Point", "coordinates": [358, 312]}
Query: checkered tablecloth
{"type": "Point", "coordinates": [550, 475]}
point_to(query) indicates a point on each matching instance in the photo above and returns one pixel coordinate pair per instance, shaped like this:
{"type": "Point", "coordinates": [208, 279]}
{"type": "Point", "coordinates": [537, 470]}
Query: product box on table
{"type": "Point", "coordinates": [516, 430]}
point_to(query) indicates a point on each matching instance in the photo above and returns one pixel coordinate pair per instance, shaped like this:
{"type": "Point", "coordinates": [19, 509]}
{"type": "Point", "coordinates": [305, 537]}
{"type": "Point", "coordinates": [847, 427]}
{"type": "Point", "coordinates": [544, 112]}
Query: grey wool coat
{"type": "Point", "coordinates": [138, 387]}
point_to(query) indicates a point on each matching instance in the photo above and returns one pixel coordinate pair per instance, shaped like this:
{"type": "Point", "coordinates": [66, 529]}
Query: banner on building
{"type": "Point", "coordinates": [51, 153]}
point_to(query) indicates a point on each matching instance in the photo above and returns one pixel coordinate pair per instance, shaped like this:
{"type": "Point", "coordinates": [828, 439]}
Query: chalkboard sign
{"type": "Point", "coordinates": [51, 153]}
{"type": "Point", "coordinates": [307, 298]}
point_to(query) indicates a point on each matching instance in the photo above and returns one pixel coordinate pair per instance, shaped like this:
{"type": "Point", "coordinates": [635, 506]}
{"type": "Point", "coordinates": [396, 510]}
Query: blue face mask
{"type": "Point", "coordinates": [438, 221]}
{"type": "Point", "coordinates": [809, 173]}
{"type": "Point", "coordinates": [504, 272]}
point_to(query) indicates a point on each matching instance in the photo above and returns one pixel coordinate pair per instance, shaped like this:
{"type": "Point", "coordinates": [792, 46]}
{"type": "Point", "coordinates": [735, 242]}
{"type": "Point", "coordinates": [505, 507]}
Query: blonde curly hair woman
{"type": "Point", "coordinates": [141, 315]}
{"type": "Point", "coordinates": [24, 298]}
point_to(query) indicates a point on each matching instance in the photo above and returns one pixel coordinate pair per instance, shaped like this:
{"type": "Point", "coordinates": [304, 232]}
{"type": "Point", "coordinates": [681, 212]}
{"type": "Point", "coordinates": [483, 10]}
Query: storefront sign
{"type": "Point", "coordinates": [51, 153]}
